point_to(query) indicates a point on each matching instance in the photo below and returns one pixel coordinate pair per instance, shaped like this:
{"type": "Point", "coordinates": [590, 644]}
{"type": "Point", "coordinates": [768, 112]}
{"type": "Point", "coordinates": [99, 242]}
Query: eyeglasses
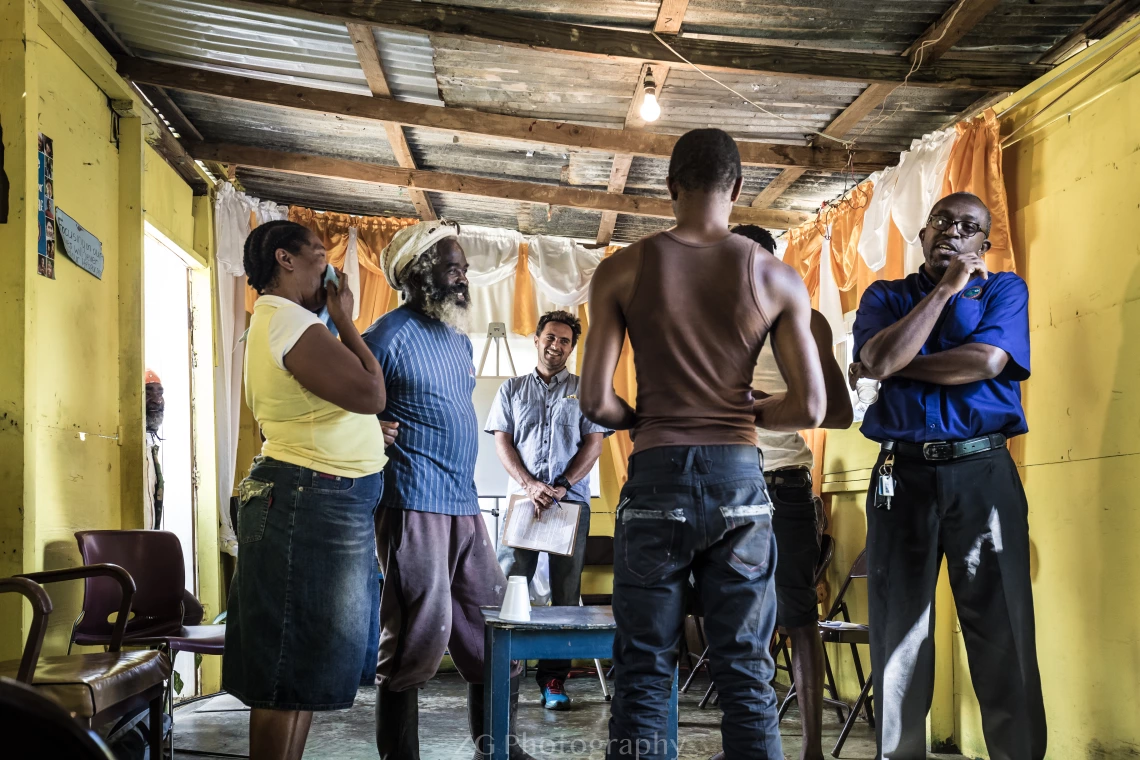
{"type": "Point", "coordinates": [966, 229]}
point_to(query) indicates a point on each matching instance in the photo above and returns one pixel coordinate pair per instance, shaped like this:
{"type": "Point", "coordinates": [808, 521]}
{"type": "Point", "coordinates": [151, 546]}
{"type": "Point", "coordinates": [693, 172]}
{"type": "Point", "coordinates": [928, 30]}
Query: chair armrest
{"type": "Point", "coordinates": [124, 579]}
{"type": "Point", "coordinates": [41, 608]}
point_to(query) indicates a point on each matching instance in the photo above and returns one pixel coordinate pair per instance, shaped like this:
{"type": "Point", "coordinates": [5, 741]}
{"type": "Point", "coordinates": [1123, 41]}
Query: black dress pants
{"type": "Point", "coordinates": [972, 511]}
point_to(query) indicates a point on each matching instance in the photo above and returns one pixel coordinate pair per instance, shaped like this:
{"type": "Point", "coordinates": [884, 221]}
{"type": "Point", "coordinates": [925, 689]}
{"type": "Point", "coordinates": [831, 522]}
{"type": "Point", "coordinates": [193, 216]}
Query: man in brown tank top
{"type": "Point", "coordinates": [697, 303]}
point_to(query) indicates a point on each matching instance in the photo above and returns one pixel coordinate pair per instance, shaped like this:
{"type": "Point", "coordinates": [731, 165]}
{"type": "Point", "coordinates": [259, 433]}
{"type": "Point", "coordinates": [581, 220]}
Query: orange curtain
{"type": "Point", "coordinates": [852, 275]}
{"type": "Point", "coordinates": [524, 306]}
{"type": "Point", "coordinates": [975, 167]}
{"type": "Point", "coordinates": [376, 298]}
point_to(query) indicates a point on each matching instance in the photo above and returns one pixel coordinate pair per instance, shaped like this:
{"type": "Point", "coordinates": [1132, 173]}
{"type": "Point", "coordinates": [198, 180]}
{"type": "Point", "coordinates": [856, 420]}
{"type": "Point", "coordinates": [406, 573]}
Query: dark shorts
{"type": "Point", "coordinates": [303, 618]}
{"type": "Point", "coordinates": [797, 544]}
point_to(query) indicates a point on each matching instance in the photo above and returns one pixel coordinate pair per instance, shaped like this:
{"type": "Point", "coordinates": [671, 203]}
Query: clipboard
{"type": "Point", "coordinates": [555, 532]}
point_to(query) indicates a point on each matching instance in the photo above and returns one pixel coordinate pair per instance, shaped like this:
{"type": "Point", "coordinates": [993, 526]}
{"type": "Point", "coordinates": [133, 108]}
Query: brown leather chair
{"type": "Point", "coordinates": [98, 688]}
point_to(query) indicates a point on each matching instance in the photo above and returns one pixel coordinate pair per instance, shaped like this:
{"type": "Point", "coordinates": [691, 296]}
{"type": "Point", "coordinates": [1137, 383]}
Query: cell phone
{"type": "Point", "coordinates": [330, 276]}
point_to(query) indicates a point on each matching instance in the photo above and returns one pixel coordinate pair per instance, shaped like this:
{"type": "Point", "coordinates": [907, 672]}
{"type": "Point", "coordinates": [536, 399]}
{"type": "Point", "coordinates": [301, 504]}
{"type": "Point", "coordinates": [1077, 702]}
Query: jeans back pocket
{"type": "Point", "coordinates": [255, 497]}
{"type": "Point", "coordinates": [650, 538]}
{"type": "Point", "coordinates": [748, 530]}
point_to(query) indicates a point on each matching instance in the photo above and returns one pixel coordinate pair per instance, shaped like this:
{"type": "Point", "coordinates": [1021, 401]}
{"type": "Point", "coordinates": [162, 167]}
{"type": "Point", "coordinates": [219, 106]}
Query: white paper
{"type": "Point", "coordinates": [552, 531]}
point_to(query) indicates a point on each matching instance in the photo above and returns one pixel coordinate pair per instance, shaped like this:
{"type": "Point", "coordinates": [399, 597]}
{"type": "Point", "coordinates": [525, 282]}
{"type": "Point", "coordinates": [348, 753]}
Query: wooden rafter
{"type": "Point", "coordinates": [670, 16]}
{"type": "Point", "coordinates": [529, 192]}
{"type": "Point", "coordinates": [639, 46]}
{"type": "Point", "coordinates": [478, 122]}
{"type": "Point", "coordinates": [364, 42]}
{"type": "Point", "coordinates": [931, 45]}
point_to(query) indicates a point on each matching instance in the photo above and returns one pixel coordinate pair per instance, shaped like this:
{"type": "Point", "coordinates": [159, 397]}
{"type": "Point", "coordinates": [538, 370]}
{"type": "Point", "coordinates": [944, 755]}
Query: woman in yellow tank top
{"type": "Point", "coordinates": [303, 618]}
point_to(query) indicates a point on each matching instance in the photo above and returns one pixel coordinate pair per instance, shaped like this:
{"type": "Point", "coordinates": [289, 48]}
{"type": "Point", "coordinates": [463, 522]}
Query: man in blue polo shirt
{"type": "Point", "coordinates": [950, 345]}
{"type": "Point", "coordinates": [438, 560]}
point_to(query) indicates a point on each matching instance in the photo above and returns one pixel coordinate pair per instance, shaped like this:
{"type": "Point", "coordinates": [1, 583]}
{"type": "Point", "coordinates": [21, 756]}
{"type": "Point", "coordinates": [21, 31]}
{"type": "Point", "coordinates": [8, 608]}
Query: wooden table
{"type": "Point", "coordinates": [552, 633]}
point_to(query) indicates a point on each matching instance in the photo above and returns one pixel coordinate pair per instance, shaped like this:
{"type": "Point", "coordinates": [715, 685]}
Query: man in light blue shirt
{"type": "Point", "coordinates": [548, 447]}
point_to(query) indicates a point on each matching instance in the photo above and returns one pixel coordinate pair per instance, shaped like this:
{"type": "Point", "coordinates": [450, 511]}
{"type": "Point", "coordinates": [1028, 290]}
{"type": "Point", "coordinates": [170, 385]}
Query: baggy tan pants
{"type": "Point", "coordinates": [438, 571]}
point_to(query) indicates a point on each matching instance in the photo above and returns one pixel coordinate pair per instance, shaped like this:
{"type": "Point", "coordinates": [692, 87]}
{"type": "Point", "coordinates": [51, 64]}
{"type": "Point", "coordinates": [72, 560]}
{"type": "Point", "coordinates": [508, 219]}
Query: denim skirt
{"type": "Point", "coordinates": [303, 622]}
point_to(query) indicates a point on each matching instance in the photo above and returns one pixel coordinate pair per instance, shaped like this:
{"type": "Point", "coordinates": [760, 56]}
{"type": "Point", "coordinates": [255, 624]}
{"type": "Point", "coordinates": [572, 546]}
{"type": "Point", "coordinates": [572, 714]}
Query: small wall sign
{"type": "Point", "coordinates": [80, 245]}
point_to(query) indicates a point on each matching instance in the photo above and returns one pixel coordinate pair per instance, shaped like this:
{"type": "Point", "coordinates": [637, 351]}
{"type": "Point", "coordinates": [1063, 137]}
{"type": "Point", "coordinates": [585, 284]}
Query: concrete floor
{"type": "Point", "coordinates": [220, 725]}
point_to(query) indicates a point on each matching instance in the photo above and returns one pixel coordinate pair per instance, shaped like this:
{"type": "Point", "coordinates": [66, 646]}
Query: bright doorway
{"type": "Point", "coordinates": [168, 352]}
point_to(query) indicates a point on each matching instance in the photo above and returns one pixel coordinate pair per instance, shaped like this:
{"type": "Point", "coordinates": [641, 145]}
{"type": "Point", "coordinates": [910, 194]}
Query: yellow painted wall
{"type": "Point", "coordinates": [71, 352]}
{"type": "Point", "coordinates": [73, 348]}
{"type": "Point", "coordinates": [1075, 205]}
{"type": "Point", "coordinates": [168, 202]}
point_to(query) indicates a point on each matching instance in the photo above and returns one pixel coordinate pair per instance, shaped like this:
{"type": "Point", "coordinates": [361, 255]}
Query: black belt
{"type": "Point", "coordinates": [797, 477]}
{"type": "Point", "coordinates": [944, 451]}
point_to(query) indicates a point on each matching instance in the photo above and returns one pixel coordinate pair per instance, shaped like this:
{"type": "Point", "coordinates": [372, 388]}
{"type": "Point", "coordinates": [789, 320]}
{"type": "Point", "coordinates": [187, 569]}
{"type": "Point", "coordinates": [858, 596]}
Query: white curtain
{"type": "Point", "coordinates": [905, 194]}
{"type": "Point", "coordinates": [232, 215]}
{"type": "Point", "coordinates": [920, 174]}
{"type": "Point", "coordinates": [877, 219]}
{"type": "Point", "coordinates": [351, 269]}
{"type": "Point", "coordinates": [562, 269]}
{"type": "Point", "coordinates": [491, 254]}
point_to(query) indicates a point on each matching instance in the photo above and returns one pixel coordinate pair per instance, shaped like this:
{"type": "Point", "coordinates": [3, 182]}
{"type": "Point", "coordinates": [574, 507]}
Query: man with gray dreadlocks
{"type": "Point", "coordinates": [439, 563]}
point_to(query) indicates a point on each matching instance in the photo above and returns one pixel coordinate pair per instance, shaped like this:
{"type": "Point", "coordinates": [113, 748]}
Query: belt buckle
{"type": "Point", "coordinates": [937, 451]}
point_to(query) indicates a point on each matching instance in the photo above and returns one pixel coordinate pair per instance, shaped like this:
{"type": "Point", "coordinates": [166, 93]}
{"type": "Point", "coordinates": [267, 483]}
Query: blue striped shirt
{"type": "Point", "coordinates": [429, 377]}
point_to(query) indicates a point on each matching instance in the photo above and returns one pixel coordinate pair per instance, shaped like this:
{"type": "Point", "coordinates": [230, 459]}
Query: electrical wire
{"type": "Point", "coordinates": [844, 143]}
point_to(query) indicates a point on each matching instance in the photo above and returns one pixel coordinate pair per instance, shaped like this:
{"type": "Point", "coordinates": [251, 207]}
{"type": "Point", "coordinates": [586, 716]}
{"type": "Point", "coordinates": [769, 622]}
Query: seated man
{"type": "Point", "coordinates": [548, 447]}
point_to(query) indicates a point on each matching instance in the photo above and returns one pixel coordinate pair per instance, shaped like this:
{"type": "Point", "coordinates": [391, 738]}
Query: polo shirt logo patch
{"type": "Point", "coordinates": [973, 293]}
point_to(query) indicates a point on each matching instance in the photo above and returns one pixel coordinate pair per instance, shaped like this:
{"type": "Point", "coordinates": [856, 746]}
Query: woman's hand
{"type": "Point", "coordinates": [340, 300]}
{"type": "Point", "coordinates": [390, 430]}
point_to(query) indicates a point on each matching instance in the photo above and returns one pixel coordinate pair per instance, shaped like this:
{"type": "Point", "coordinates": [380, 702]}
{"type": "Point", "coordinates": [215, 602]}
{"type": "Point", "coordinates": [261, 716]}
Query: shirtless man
{"type": "Point", "coordinates": [698, 304]}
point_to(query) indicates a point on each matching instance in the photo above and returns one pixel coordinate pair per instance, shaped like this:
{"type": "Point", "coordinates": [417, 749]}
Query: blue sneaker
{"type": "Point", "coordinates": [554, 695]}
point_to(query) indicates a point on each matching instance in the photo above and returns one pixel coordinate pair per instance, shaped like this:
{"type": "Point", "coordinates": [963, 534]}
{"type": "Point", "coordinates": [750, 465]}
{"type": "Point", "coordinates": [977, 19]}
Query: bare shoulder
{"type": "Point", "coordinates": [776, 282]}
{"type": "Point", "coordinates": [616, 274]}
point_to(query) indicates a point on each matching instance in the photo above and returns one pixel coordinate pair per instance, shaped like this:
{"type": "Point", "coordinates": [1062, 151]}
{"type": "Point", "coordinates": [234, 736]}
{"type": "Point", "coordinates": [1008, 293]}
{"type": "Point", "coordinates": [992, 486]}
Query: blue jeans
{"type": "Point", "coordinates": [705, 511]}
{"type": "Point", "coordinates": [303, 620]}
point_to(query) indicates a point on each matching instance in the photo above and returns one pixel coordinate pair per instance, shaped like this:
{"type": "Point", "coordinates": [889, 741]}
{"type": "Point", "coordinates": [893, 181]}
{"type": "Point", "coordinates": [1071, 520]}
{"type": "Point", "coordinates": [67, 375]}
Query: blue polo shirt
{"type": "Point", "coordinates": [993, 311]}
{"type": "Point", "coordinates": [429, 378]}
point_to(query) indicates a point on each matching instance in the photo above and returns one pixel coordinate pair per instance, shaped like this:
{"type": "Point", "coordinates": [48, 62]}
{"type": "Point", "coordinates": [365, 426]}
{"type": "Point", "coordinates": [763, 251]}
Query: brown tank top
{"type": "Point", "coordinates": [696, 327]}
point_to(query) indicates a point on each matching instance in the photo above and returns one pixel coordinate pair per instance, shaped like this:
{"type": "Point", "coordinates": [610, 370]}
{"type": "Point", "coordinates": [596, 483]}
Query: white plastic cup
{"type": "Point", "coordinates": [867, 391]}
{"type": "Point", "coordinates": [516, 602]}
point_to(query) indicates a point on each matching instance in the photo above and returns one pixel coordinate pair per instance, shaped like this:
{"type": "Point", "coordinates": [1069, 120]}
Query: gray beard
{"type": "Point", "coordinates": [153, 421]}
{"type": "Point", "coordinates": [449, 311]}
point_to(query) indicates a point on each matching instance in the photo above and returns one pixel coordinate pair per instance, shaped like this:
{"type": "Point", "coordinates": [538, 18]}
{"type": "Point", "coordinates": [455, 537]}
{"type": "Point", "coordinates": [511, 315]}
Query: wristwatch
{"type": "Point", "coordinates": [562, 482]}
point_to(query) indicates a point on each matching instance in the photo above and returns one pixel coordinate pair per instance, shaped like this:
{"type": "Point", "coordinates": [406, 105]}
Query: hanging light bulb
{"type": "Point", "coordinates": [650, 108]}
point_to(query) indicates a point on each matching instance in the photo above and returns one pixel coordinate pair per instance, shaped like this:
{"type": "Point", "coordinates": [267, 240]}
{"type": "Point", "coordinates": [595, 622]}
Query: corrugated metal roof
{"type": "Point", "coordinates": [286, 129]}
{"type": "Point", "coordinates": [521, 82]}
{"type": "Point", "coordinates": [292, 47]}
{"type": "Point", "coordinates": [689, 100]}
{"type": "Point", "coordinates": [360, 198]}
{"type": "Point", "coordinates": [879, 26]}
{"type": "Point", "coordinates": [1022, 31]}
{"type": "Point", "coordinates": [277, 45]}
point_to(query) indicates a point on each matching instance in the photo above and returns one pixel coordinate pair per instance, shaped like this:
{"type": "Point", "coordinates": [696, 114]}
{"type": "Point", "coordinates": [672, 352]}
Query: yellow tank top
{"type": "Point", "coordinates": [300, 428]}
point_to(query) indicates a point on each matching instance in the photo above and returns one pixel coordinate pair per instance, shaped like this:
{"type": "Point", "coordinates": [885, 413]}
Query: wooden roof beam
{"type": "Point", "coordinates": [364, 42]}
{"type": "Point", "coordinates": [579, 136]}
{"type": "Point", "coordinates": [670, 15]}
{"type": "Point", "coordinates": [640, 46]}
{"type": "Point", "coordinates": [441, 182]}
